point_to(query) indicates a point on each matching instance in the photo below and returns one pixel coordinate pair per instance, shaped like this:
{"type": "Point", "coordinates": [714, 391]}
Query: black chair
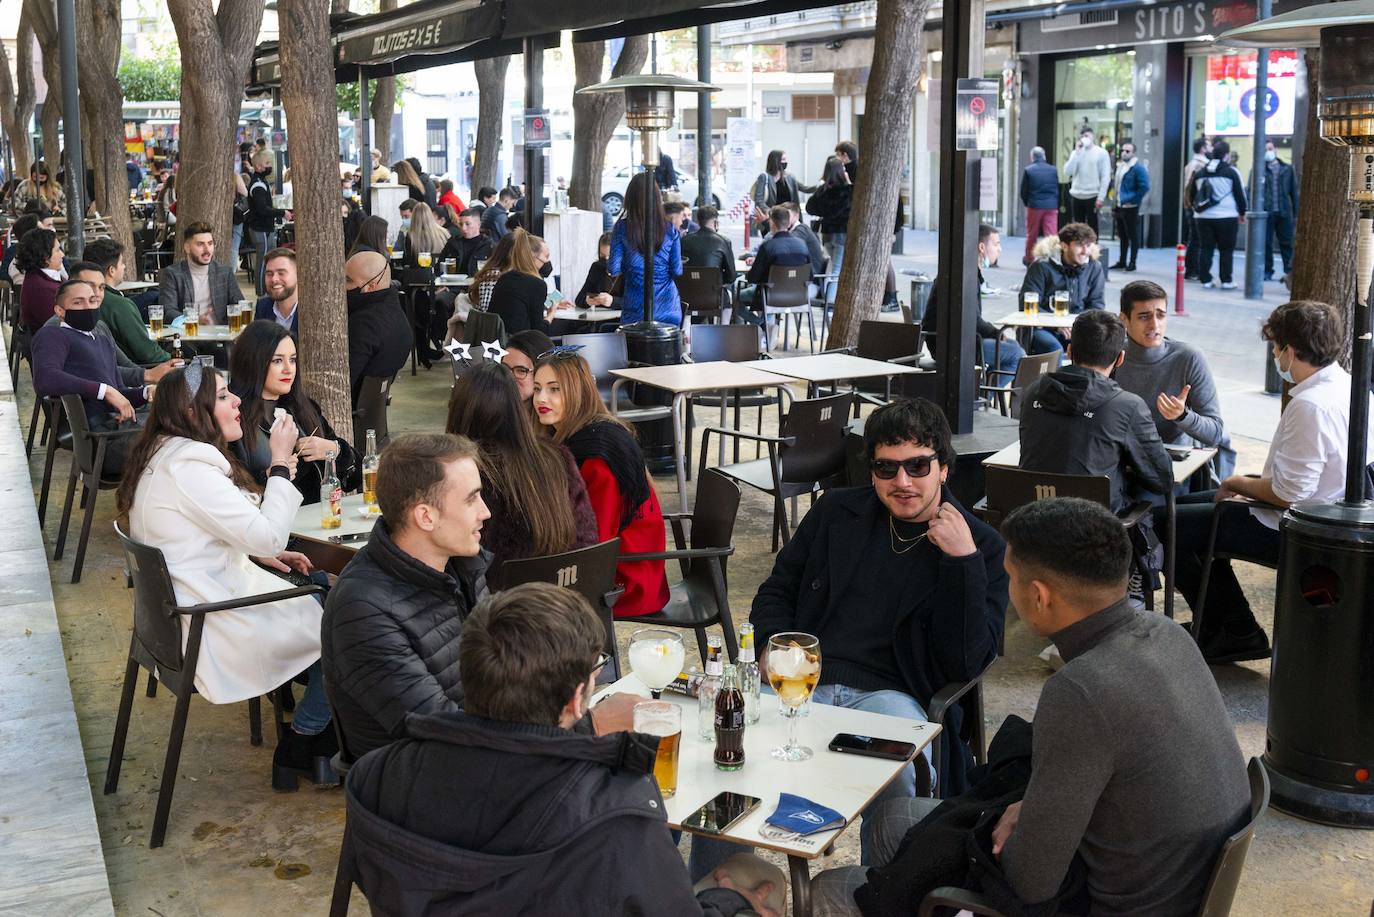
{"type": "Point", "coordinates": [807, 454]}
{"type": "Point", "coordinates": [156, 646]}
{"type": "Point", "coordinates": [785, 294]}
{"type": "Point", "coordinates": [57, 437]}
{"type": "Point", "coordinates": [1222, 883]}
{"type": "Point", "coordinates": [1011, 393]}
{"type": "Point", "coordinates": [590, 571]}
{"type": "Point", "coordinates": [415, 282]}
{"type": "Point", "coordinates": [701, 599]}
{"type": "Point", "coordinates": [603, 353]}
{"type": "Point", "coordinates": [891, 342]}
{"type": "Point", "coordinates": [88, 464]}
{"type": "Point", "coordinates": [703, 293]}
{"type": "Point", "coordinates": [1213, 555]}
{"type": "Point", "coordinates": [370, 414]}
{"type": "Point", "coordinates": [482, 327]}
{"type": "Point", "coordinates": [729, 344]}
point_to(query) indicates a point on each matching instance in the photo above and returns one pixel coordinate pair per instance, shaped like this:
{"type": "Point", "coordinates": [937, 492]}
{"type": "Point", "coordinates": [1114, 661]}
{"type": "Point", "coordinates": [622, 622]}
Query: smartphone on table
{"type": "Point", "coordinates": [891, 749]}
{"type": "Point", "coordinates": [720, 813]}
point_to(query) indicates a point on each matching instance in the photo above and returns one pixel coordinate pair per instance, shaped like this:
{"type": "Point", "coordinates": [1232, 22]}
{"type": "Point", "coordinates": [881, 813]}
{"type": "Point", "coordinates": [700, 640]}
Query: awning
{"type": "Point", "coordinates": [429, 33]}
{"type": "Point", "coordinates": [622, 18]}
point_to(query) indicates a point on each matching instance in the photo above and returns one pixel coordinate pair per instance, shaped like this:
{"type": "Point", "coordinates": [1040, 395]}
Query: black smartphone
{"type": "Point", "coordinates": [851, 744]}
{"type": "Point", "coordinates": [720, 813]}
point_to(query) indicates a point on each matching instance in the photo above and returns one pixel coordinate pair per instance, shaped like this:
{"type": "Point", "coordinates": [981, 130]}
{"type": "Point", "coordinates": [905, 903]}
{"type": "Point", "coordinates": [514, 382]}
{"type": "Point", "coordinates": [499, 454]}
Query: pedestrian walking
{"type": "Point", "coordinates": [1040, 196]}
{"type": "Point", "coordinates": [1202, 151]}
{"type": "Point", "coordinates": [1132, 185]}
{"type": "Point", "coordinates": [1281, 201]}
{"type": "Point", "coordinates": [1219, 209]}
{"type": "Point", "coordinates": [1090, 172]}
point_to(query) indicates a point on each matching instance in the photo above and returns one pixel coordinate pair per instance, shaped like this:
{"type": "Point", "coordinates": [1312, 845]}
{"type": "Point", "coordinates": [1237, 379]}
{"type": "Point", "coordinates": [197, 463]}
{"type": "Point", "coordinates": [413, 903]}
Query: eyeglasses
{"type": "Point", "coordinates": [519, 372]}
{"type": "Point", "coordinates": [886, 469]}
{"type": "Point", "coordinates": [601, 660]}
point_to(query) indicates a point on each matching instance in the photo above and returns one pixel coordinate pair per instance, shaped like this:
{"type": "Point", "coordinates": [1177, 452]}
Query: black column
{"type": "Point", "coordinates": [703, 118]}
{"type": "Point", "coordinates": [534, 158]}
{"type": "Point", "coordinates": [364, 143]}
{"type": "Point", "coordinates": [75, 161]}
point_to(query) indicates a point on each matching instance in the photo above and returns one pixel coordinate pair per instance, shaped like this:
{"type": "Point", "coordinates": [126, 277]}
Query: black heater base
{"type": "Point", "coordinates": [1319, 804]}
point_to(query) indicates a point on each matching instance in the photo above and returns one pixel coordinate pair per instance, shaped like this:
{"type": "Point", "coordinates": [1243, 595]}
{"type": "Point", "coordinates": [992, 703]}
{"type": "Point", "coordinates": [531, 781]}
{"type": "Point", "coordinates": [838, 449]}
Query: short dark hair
{"type": "Point", "coordinates": [78, 267]}
{"type": "Point", "coordinates": [469, 213]}
{"type": "Point", "coordinates": [1315, 330]}
{"type": "Point", "coordinates": [412, 472]}
{"type": "Point", "coordinates": [38, 209]}
{"type": "Point", "coordinates": [779, 216]}
{"type": "Point", "coordinates": [198, 228]}
{"type": "Point", "coordinates": [445, 185]}
{"type": "Point", "coordinates": [674, 207]}
{"type": "Point", "coordinates": [407, 204]}
{"type": "Point", "coordinates": [485, 192]}
{"type": "Point", "coordinates": [532, 342]}
{"type": "Point", "coordinates": [1077, 232]}
{"type": "Point", "coordinates": [911, 420]}
{"type": "Point", "coordinates": [1199, 144]}
{"type": "Point", "coordinates": [104, 252]}
{"type": "Point", "coordinates": [1097, 339]}
{"type": "Point", "coordinates": [985, 230]}
{"type": "Point", "coordinates": [509, 193]}
{"type": "Point", "coordinates": [1071, 538]}
{"type": "Point", "coordinates": [1221, 149]}
{"type": "Point", "coordinates": [524, 650]}
{"type": "Point", "coordinates": [415, 164]}
{"type": "Point", "coordinates": [1138, 291]}
{"type": "Point", "coordinates": [280, 252]}
{"type": "Point", "coordinates": [67, 285]}
{"type": "Point", "coordinates": [848, 148]}
{"type": "Point", "coordinates": [704, 215]}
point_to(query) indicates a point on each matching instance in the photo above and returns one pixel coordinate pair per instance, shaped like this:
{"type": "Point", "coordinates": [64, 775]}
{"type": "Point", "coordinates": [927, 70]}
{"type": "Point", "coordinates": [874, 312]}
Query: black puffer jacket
{"type": "Point", "coordinates": [379, 336]}
{"type": "Point", "coordinates": [542, 821]}
{"type": "Point", "coordinates": [1077, 421]}
{"type": "Point", "coordinates": [389, 639]}
{"type": "Point", "coordinates": [1086, 283]}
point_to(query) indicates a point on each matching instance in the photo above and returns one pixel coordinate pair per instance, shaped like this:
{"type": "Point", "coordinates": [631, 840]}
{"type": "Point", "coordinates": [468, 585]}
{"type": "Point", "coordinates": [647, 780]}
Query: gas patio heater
{"type": "Point", "coordinates": [1319, 750]}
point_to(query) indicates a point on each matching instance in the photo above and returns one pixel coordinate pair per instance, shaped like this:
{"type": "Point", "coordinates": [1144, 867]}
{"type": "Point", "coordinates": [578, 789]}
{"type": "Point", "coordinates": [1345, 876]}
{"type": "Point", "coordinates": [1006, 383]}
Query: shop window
{"type": "Point", "coordinates": [1093, 91]}
{"type": "Point", "coordinates": [813, 107]}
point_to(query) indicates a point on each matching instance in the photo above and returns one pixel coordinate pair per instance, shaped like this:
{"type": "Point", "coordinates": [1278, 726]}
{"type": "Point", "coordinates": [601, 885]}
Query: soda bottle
{"type": "Point", "coordinates": [749, 680]}
{"type": "Point", "coordinates": [176, 347]}
{"type": "Point", "coordinates": [331, 496]}
{"type": "Point", "coordinates": [710, 685]}
{"type": "Point", "coordinates": [729, 722]}
{"type": "Point", "coordinates": [370, 463]}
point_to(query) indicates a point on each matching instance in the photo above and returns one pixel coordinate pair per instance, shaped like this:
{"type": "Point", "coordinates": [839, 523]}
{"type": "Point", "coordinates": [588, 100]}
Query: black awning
{"type": "Point", "coordinates": [607, 19]}
{"type": "Point", "coordinates": [436, 32]}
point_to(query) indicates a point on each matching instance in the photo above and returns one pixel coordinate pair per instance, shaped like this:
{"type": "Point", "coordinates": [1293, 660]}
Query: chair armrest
{"type": "Point", "coordinates": [114, 434]}
{"type": "Point", "coordinates": [848, 350]}
{"type": "Point", "coordinates": [668, 517]}
{"type": "Point", "coordinates": [959, 899]}
{"type": "Point", "coordinates": [685, 554]}
{"type": "Point", "coordinates": [263, 598]}
{"type": "Point", "coordinates": [871, 399]}
{"type": "Point", "coordinates": [949, 695]}
{"type": "Point", "coordinates": [755, 437]}
{"type": "Point", "coordinates": [1137, 512]}
{"type": "Point", "coordinates": [906, 361]}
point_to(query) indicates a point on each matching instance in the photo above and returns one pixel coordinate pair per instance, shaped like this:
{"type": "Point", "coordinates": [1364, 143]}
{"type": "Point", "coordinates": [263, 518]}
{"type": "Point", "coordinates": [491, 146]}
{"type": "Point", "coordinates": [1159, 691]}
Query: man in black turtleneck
{"type": "Point", "coordinates": [379, 336]}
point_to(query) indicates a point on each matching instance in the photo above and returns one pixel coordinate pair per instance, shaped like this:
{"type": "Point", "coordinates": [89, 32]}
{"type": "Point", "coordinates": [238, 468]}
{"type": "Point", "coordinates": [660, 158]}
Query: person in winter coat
{"type": "Point", "coordinates": [1068, 263]}
{"type": "Point", "coordinates": [546, 818]}
{"type": "Point", "coordinates": [184, 494]}
{"type": "Point", "coordinates": [1079, 421]}
{"type": "Point", "coordinates": [261, 222]}
{"type": "Point", "coordinates": [1040, 196]}
{"type": "Point", "coordinates": [379, 336]}
{"type": "Point", "coordinates": [627, 255]}
{"type": "Point", "coordinates": [831, 203]}
{"type": "Point", "coordinates": [1281, 202]}
{"type": "Point", "coordinates": [1090, 172]}
{"type": "Point", "coordinates": [569, 409]}
{"type": "Point", "coordinates": [775, 186]}
{"type": "Point", "coordinates": [1131, 189]}
{"type": "Point", "coordinates": [1218, 198]}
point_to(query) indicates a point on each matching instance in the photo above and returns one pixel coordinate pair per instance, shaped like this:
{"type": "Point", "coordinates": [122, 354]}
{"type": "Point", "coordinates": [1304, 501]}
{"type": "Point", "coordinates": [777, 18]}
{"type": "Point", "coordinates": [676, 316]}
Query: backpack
{"type": "Point", "coordinates": [240, 209]}
{"type": "Point", "coordinates": [1209, 189]}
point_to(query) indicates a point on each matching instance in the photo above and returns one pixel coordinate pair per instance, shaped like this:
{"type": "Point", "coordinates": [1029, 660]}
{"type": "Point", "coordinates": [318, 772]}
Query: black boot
{"type": "Point", "coordinates": [299, 756]}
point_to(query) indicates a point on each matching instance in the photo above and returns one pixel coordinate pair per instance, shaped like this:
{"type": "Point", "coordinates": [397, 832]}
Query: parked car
{"type": "Point", "coordinates": [614, 182]}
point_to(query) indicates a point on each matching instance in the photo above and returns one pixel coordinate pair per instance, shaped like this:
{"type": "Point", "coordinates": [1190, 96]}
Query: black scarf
{"type": "Point", "coordinates": [615, 446]}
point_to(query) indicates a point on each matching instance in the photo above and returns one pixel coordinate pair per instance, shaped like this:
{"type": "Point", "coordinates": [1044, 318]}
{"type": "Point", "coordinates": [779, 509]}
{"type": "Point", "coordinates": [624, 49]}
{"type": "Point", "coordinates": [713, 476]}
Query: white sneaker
{"type": "Point", "coordinates": [1228, 286]}
{"type": "Point", "coordinates": [1209, 285]}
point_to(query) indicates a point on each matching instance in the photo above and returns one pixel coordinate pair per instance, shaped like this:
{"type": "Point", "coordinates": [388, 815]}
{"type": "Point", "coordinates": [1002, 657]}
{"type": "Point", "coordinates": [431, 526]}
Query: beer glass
{"type": "Point", "coordinates": [656, 658]}
{"type": "Point", "coordinates": [235, 312]}
{"type": "Point", "coordinates": [1030, 303]}
{"type": "Point", "coordinates": [155, 320]}
{"type": "Point", "coordinates": [1061, 302]}
{"type": "Point", "coordinates": [191, 327]}
{"type": "Point", "coordinates": [451, 266]}
{"type": "Point", "coordinates": [663, 719]}
{"type": "Point", "coordinates": [424, 259]}
{"type": "Point", "coordinates": [794, 668]}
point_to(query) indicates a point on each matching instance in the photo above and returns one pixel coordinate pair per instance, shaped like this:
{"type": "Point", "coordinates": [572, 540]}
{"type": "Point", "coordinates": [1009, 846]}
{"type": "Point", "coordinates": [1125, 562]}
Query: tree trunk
{"type": "Point", "coordinates": [383, 106]}
{"type": "Point", "coordinates": [887, 129]}
{"type": "Point", "coordinates": [15, 122]}
{"type": "Point", "coordinates": [491, 104]}
{"type": "Point", "coordinates": [311, 109]}
{"type": "Point", "coordinates": [98, 46]}
{"type": "Point", "coordinates": [596, 116]}
{"type": "Point", "coordinates": [23, 97]}
{"type": "Point", "coordinates": [42, 16]}
{"type": "Point", "coordinates": [1325, 238]}
{"type": "Point", "coordinates": [212, 80]}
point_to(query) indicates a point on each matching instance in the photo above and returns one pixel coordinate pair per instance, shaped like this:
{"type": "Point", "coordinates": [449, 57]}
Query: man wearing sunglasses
{"type": "Point", "coordinates": [379, 335]}
{"type": "Point", "coordinates": [904, 587]}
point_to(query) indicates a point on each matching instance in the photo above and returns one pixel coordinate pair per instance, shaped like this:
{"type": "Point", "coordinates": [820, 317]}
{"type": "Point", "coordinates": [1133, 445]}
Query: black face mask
{"type": "Point", "coordinates": [546, 270]}
{"type": "Point", "coordinates": [82, 319]}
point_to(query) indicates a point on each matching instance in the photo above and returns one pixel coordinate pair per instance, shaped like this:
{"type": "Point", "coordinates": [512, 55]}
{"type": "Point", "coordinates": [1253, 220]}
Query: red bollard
{"type": "Point", "coordinates": [1178, 282]}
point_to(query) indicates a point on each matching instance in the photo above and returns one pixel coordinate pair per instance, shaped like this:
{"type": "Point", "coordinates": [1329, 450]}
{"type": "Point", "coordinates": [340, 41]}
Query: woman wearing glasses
{"type": "Point", "coordinates": [569, 409]}
{"type": "Point", "coordinates": [538, 502]}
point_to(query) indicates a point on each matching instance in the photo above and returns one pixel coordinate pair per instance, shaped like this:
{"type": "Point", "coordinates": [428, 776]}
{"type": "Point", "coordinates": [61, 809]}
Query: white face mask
{"type": "Point", "coordinates": [1285, 374]}
{"type": "Point", "coordinates": [1270, 155]}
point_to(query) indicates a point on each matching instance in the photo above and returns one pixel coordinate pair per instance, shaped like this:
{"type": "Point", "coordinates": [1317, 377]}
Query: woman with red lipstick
{"type": "Point", "coordinates": [568, 407]}
{"type": "Point", "coordinates": [262, 365]}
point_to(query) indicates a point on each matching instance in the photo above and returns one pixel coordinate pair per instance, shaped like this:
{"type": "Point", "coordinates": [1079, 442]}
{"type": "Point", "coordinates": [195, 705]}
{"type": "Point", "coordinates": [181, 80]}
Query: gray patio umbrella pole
{"type": "Point", "coordinates": [75, 168]}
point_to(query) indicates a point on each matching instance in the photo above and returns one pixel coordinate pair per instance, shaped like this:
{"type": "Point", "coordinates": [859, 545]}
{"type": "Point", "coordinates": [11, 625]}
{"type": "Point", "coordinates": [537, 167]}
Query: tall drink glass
{"type": "Point", "coordinates": [794, 669]}
{"type": "Point", "coordinates": [656, 658]}
{"type": "Point", "coordinates": [663, 719]}
{"type": "Point", "coordinates": [155, 320]}
{"type": "Point", "coordinates": [1061, 302]}
{"type": "Point", "coordinates": [1030, 303]}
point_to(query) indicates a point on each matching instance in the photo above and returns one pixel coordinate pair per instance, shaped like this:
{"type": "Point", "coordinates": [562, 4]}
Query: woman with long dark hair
{"type": "Point", "coordinates": [569, 408]}
{"type": "Point", "coordinates": [371, 236]}
{"type": "Point", "coordinates": [353, 218]}
{"type": "Point", "coordinates": [537, 499]}
{"type": "Point", "coordinates": [185, 494]}
{"type": "Point", "coordinates": [628, 241]}
{"type": "Point", "coordinates": [831, 203]}
{"type": "Point", "coordinates": [262, 365]}
{"type": "Point", "coordinates": [775, 185]}
{"type": "Point", "coordinates": [39, 258]}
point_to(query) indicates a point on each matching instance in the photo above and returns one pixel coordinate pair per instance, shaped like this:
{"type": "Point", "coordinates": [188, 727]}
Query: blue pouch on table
{"type": "Point", "coordinates": [799, 816]}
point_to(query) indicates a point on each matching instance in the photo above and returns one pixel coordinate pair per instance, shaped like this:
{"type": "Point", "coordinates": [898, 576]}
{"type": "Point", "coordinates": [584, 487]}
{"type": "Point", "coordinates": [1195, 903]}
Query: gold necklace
{"type": "Point", "coordinates": [909, 542]}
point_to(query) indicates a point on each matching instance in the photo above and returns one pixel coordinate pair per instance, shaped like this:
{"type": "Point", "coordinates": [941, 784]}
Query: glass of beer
{"type": "Point", "coordinates": [191, 327]}
{"type": "Point", "coordinates": [1061, 302]}
{"type": "Point", "coordinates": [424, 259]}
{"type": "Point", "coordinates": [235, 313]}
{"type": "Point", "coordinates": [390, 249]}
{"type": "Point", "coordinates": [155, 320]}
{"type": "Point", "coordinates": [451, 266]}
{"type": "Point", "coordinates": [663, 719]}
{"type": "Point", "coordinates": [1030, 303]}
{"type": "Point", "coordinates": [794, 668]}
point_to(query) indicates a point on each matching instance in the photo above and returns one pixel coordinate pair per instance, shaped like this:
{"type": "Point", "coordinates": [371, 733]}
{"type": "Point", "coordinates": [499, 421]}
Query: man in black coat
{"type": "Point", "coordinates": [470, 245]}
{"type": "Point", "coordinates": [1281, 200]}
{"type": "Point", "coordinates": [379, 335]}
{"type": "Point", "coordinates": [707, 247]}
{"type": "Point", "coordinates": [903, 586]}
{"type": "Point", "coordinates": [495, 216]}
{"type": "Point", "coordinates": [782, 248]}
{"type": "Point", "coordinates": [1040, 196]}
{"type": "Point", "coordinates": [1072, 269]}
{"type": "Point", "coordinates": [508, 808]}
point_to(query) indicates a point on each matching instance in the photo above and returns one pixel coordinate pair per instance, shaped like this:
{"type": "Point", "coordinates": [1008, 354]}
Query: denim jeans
{"type": "Point", "coordinates": [263, 242]}
{"type": "Point", "coordinates": [1044, 341]}
{"type": "Point", "coordinates": [312, 711]}
{"type": "Point", "coordinates": [1008, 356]}
{"type": "Point", "coordinates": [834, 250]}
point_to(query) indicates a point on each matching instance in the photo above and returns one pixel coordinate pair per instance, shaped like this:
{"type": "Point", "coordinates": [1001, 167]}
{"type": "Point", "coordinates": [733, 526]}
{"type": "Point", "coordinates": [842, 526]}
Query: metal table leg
{"type": "Point", "coordinates": [1169, 539]}
{"type": "Point", "coordinates": [679, 423]}
{"type": "Point", "coordinates": [801, 886]}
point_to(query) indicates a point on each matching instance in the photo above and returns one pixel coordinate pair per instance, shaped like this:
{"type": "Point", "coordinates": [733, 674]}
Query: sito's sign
{"type": "Point", "coordinates": [1187, 20]}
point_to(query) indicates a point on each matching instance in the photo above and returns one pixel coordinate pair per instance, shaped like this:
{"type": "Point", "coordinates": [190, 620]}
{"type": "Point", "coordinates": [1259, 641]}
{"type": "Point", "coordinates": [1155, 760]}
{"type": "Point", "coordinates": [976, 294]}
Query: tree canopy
{"type": "Point", "coordinates": [150, 79]}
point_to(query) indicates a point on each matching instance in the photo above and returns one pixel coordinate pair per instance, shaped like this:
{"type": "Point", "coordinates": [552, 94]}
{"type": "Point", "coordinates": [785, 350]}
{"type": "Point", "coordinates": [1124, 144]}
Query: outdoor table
{"type": "Point", "coordinates": [462, 281]}
{"type": "Point", "coordinates": [135, 286]}
{"type": "Point", "coordinates": [1187, 462]}
{"type": "Point", "coordinates": [831, 367]}
{"type": "Point", "coordinates": [683, 379]}
{"type": "Point", "coordinates": [218, 334]}
{"type": "Point", "coordinates": [312, 539]}
{"type": "Point", "coordinates": [588, 315]}
{"type": "Point", "coordinates": [844, 782]}
{"type": "Point", "coordinates": [1028, 321]}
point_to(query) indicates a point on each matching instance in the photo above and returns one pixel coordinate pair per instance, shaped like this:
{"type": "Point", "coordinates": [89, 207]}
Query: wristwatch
{"type": "Point", "coordinates": [279, 471]}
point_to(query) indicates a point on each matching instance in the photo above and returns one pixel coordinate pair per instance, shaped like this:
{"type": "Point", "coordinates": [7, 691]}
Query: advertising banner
{"type": "Point", "coordinates": [1231, 97]}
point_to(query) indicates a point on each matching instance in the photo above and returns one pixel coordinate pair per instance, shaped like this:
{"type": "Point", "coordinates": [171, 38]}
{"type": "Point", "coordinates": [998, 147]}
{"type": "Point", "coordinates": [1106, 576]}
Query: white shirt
{"type": "Point", "coordinates": [1306, 458]}
{"type": "Point", "coordinates": [200, 289]}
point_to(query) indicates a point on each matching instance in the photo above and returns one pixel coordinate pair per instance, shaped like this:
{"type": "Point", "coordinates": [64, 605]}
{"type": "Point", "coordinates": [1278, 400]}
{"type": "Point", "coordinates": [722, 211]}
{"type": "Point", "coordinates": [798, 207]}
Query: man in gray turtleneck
{"type": "Point", "coordinates": [1171, 377]}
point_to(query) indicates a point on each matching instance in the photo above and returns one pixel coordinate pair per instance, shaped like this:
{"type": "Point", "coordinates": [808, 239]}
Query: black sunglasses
{"type": "Point", "coordinates": [886, 469]}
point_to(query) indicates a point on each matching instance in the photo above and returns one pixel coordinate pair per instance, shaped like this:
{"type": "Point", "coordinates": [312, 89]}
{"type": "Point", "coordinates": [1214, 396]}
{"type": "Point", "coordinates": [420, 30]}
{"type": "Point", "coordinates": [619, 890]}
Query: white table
{"type": "Point", "coordinates": [683, 379]}
{"type": "Point", "coordinates": [312, 539]}
{"type": "Point", "coordinates": [1190, 462]}
{"type": "Point", "coordinates": [1037, 320]}
{"type": "Point", "coordinates": [831, 367]}
{"type": "Point", "coordinates": [588, 315]}
{"type": "Point", "coordinates": [214, 333]}
{"type": "Point", "coordinates": [462, 281]}
{"type": "Point", "coordinates": [135, 286]}
{"type": "Point", "coordinates": [845, 783]}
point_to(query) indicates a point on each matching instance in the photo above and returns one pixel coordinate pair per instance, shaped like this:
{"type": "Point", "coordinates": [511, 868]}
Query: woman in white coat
{"type": "Point", "coordinates": [185, 494]}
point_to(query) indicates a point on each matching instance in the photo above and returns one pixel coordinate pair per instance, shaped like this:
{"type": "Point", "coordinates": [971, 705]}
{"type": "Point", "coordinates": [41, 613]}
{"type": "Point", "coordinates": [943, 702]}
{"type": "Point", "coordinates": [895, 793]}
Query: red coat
{"type": "Point", "coordinates": [448, 197]}
{"type": "Point", "coordinates": [646, 585]}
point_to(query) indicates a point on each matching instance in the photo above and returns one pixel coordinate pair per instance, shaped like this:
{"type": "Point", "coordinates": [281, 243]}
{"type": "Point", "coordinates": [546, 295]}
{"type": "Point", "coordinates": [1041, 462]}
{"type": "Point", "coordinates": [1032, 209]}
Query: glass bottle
{"type": "Point", "coordinates": [176, 347]}
{"type": "Point", "coordinates": [749, 680]}
{"type": "Point", "coordinates": [729, 725]}
{"type": "Point", "coordinates": [709, 687]}
{"type": "Point", "coordinates": [331, 495]}
{"type": "Point", "coordinates": [370, 463]}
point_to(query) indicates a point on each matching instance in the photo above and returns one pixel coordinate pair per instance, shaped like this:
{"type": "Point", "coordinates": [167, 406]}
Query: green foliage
{"type": "Point", "coordinates": [347, 94]}
{"type": "Point", "coordinates": [150, 79]}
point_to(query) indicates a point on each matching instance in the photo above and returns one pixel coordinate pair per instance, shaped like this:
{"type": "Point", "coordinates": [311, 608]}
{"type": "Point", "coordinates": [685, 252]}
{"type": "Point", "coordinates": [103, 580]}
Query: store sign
{"type": "Point", "coordinates": [1232, 100]}
{"type": "Point", "coordinates": [975, 114]}
{"type": "Point", "coordinates": [454, 25]}
{"type": "Point", "coordinates": [538, 132]}
{"type": "Point", "coordinates": [1188, 20]}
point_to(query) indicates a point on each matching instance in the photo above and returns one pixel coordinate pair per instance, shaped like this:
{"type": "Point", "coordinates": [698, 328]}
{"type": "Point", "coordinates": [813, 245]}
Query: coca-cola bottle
{"type": "Point", "coordinates": [730, 722]}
